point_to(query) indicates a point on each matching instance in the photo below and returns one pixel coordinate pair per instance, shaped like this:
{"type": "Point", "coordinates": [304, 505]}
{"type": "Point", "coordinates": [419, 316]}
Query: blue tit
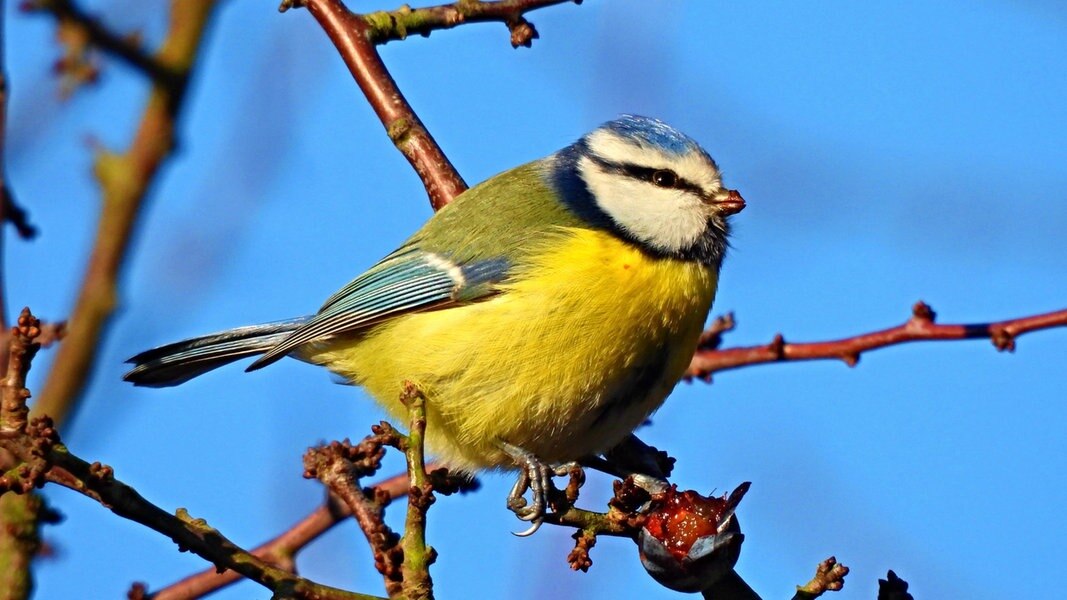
{"type": "Point", "coordinates": [544, 313]}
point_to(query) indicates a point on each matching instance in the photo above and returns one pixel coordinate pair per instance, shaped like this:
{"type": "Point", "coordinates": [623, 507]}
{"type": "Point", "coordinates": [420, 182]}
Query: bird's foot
{"type": "Point", "coordinates": [535, 476]}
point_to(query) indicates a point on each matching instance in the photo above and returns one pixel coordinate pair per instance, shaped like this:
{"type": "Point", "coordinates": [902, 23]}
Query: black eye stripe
{"type": "Point", "coordinates": [645, 174]}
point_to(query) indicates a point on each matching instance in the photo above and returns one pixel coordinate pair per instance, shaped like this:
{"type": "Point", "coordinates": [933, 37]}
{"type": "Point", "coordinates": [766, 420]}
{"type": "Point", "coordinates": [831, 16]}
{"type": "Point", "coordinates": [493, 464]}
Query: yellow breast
{"type": "Point", "coordinates": [585, 343]}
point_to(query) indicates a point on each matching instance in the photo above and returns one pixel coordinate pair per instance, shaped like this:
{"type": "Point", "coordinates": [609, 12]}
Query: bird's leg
{"type": "Point", "coordinates": [632, 457]}
{"type": "Point", "coordinates": [535, 476]}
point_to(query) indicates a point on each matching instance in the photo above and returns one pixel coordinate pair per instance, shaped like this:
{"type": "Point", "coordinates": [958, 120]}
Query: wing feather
{"type": "Point", "coordinates": [406, 281]}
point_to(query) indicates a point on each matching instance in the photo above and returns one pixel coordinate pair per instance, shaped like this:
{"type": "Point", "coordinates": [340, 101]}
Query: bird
{"type": "Point", "coordinates": [544, 313]}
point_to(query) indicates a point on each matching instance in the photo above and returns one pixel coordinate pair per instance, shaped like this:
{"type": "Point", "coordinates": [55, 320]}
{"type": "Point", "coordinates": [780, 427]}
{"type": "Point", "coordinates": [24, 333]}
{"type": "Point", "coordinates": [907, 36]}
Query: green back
{"type": "Point", "coordinates": [500, 217]}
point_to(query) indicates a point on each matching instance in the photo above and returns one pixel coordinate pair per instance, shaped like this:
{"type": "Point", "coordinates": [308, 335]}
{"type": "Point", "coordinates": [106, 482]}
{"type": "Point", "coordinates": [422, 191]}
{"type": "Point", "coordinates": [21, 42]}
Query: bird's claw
{"type": "Point", "coordinates": [536, 477]}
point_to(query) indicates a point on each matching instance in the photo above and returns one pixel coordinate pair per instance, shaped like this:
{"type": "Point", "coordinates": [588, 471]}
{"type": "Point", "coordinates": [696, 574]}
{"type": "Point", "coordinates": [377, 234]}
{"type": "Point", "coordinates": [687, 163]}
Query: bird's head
{"type": "Point", "coordinates": [649, 183]}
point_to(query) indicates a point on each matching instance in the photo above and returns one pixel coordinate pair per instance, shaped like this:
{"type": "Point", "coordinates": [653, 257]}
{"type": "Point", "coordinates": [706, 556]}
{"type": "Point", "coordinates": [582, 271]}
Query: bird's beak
{"type": "Point", "coordinates": [729, 202]}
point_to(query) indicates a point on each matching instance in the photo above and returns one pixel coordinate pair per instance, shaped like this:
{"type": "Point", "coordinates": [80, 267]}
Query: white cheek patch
{"type": "Point", "coordinates": [668, 219]}
{"type": "Point", "coordinates": [692, 166]}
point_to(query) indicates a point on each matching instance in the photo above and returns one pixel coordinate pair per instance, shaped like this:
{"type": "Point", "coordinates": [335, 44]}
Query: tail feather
{"type": "Point", "coordinates": [181, 361]}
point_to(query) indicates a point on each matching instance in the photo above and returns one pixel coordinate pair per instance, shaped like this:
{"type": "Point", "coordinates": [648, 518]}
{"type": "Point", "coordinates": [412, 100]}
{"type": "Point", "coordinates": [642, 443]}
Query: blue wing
{"type": "Point", "coordinates": [408, 280]}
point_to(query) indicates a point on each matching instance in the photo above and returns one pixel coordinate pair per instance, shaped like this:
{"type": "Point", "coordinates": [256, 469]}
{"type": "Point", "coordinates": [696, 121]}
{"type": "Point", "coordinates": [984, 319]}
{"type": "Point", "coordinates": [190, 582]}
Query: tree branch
{"type": "Point", "coordinates": [386, 26]}
{"type": "Point", "coordinates": [350, 33]}
{"type": "Point", "coordinates": [282, 549]}
{"type": "Point", "coordinates": [10, 212]}
{"type": "Point", "coordinates": [339, 466]}
{"type": "Point", "coordinates": [123, 48]}
{"type": "Point", "coordinates": [416, 554]}
{"type": "Point", "coordinates": [97, 481]}
{"type": "Point", "coordinates": [40, 457]}
{"type": "Point", "coordinates": [20, 515]}
{"type": "Point", "coordinates": [125, 180]}
{"type": "Point", "coordinates": [920, 327]}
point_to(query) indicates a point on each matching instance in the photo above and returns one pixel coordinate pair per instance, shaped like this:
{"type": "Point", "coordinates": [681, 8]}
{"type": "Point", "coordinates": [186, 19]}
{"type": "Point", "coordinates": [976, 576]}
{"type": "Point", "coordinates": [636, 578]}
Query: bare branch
{"type": "Point", "coordinates": [386, 26]}
{"type": "Point", "coordinates": [417, 555]}
{"type": "Point", "coordinates": [22, 346]}
{"type": "Point", "coordinates": [124, 48]}
{"type": "Point", "coordinates": [125, 180]}
{"type": "Point", "coordinates": [43, 459]}
{"type": "Point", "coordinates": [20, 515]}
{"type": "Point", "coordinates": [920, 327]}
{"type": "Point", "coordinates": [285, 546]}
{"type": "Point", "coordinates": [195, 535]}
{"type": "Point", "coordinates": [9, 211]}
{"type": "Point", "coordinates": [39, 457]}
{"type": "Point", "coordinates": [350, 33]}
{"type": "Point", "coordinates": [340, 465]}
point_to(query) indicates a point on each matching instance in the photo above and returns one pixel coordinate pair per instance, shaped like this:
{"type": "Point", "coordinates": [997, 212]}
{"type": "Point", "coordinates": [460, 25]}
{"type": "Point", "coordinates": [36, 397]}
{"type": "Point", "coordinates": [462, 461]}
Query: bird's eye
{"type": "Point", "coordinates": [665, 178]}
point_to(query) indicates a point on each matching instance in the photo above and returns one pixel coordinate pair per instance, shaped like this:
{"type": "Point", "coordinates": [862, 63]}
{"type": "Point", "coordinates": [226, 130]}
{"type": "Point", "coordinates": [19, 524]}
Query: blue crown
{"type": "Point", "coordinates": [652, 132]}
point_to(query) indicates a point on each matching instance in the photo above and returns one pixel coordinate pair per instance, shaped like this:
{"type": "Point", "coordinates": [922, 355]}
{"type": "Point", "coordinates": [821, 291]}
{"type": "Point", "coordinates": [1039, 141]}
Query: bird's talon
{"type": "Point", "coordinates": [536, 477]}
{"type": "Point", "coordinates": [532, 530]}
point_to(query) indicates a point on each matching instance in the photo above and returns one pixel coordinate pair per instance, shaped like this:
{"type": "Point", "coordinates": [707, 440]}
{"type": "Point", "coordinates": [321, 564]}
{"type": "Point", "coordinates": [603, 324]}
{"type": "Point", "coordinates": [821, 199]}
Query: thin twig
{"type": "Point", "coordinates": [125, 180]}
{"type": "Point", "coordinates": [340, 465]}
{"type": "Point", "coordinates": [10, 212]}
{"type": "Point", "coordinates": [20, 515]}
{"type": "Point", "coordinates": [920, 327]}
{"type": "Point", "coordinates": [195, 535]}
{"type": "Point", "coordinates": [386, 26]}
{"type": "Point", "coordinates": [350, 33]}
{"type": "Point", "coordinates": [41, 458]}
{"type": "Point", "coordinates": [418, 585]}
{"type": "Point", "coordinates": [829, 577]}
{"type": "Point", "coordinates": [283, 547]}
{"type": "Point", "coordinates": [124, 48]}
{"type": "Point", "coordinates": [22, 346]}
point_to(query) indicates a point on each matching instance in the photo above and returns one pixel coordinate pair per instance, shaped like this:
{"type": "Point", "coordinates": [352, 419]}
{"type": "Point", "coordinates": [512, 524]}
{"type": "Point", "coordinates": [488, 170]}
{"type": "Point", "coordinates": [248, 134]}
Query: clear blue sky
{"type": "Point", "coordinates": [887, 154]}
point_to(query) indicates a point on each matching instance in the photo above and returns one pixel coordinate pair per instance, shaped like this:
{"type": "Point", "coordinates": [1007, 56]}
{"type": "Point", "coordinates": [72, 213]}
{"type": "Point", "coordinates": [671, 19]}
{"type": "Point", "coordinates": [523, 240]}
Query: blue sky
{"type": "Point", "coordinates": [887, 154]}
